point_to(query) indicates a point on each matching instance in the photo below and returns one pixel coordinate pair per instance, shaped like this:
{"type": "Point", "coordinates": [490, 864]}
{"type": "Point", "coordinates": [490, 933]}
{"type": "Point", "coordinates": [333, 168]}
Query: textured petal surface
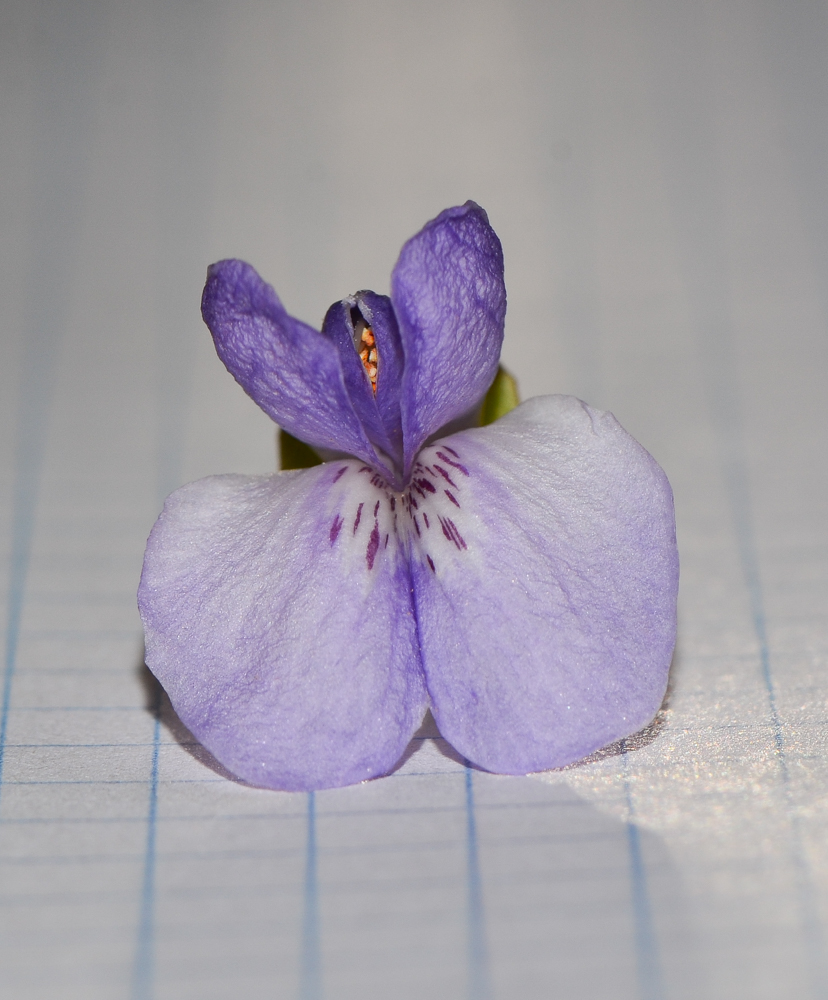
{"type": "Point", "coordinates": [450, 300]}
{"type": "Point", "coordinates": [286, 366]}
{"type": "Point", "coordinates": [545, 585]}
{"type": "Point", "coordinates": [277, 614]}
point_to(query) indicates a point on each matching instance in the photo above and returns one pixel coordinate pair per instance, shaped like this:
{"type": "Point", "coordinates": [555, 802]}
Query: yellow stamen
{"type": "Point", "coordinates": [368, 353]}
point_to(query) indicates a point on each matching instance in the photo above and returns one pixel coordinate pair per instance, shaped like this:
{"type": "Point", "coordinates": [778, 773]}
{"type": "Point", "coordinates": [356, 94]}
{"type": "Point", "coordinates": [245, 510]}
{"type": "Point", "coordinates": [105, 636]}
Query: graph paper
{"type": "Point", "coordinates": [656, 171]}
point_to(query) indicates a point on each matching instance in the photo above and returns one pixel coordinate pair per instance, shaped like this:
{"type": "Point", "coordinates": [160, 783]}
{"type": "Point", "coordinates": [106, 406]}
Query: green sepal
{"type": "Point", "coordinates": [295, 454]}
{"type": "Point", "coordinates": [502, 397]}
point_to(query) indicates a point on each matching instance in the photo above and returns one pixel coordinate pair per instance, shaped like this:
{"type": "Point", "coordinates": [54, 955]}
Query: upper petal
{"type": "Point", "coordinates": [448, 293]}
{"type": "Point", "coordinates": [379, 313]}
{"type": "Point", "coordinates": [278, 617]}
{"type": "Point", "coordinates": [286, 366]}
{"type": "Point", "coordinates": [380, 414]}
{"type": "Point", "coordinates": [546, 586]}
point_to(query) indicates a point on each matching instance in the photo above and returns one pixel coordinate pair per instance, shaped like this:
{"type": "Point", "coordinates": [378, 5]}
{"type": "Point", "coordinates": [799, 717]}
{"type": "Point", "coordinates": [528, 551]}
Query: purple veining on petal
{"type": "Point", "coordinates": [445, 476]}
{"type": "Point", "coordinates": [451, 497]}
{"type": "Point", "coordinates": [431, 564]}
{"type": "Point", "coordinates": [337, 525]}
{"type": "Point", "coordinates": [451, 451]}
{"type": "Point", "coordinates": [424, 484]}
{"type": "Point", "coordinates": [451, 533]}
{"type": "Point", "coordinates": [376, 508]}
{"type": "Point", "coordinates": [456, 465]}
{"type": "Point", "coordinates": [385, 546]}
{"type": "Point", "coordinates": [358, 517]}
{"type": "Point", "coordinates": [416, 526]}
{"type": "Point", "coordinates": [340, 474]}
{"type": "Point", "coordinates": [373, 545]}
{"type": "Point", "coordinates": [457, 537]}
{"type": "Point", "coordinates": [425, 518]}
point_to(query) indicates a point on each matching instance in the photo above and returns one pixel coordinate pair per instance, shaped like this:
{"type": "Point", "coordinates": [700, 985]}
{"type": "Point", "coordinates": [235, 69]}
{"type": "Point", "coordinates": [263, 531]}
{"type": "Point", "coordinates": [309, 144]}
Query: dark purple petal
{"type": "Point", "coordinates": [379, 314]}
{"type": "Point", "coordinates": [450, 300]}
{"type": "Point", "coordinates": [380, 415]}
{"type": "Point", "coordinates": [546, 594]}
{"type": "Point", "coordinates": [283, 633]}
{"type": "Point", "coordinates": [284, 365]}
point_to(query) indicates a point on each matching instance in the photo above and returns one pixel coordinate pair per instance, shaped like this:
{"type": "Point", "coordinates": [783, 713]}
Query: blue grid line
{"type": "Point", "coordinates": [740, 501]}
{"type": "Point", "coordinates": [114, 781]}
{"type": "Point", "coordinates": [650, 980]}
{"type": "Point", "coordinates": [183, 44]}
{"type": "Point", "coordinates": [420, 810]}
{"type": "Point", "coordinates": [82, 635]}
{"type": "Point", "coordinates": [647, 952]}
{"type": "Point", "coordinates": [60, 167]}
{"type": "Point", "coordinates": [696, 203]}
{"type": "Point", "coordinates": [238, 855]}
{"type": "Point", "coordinates": [580, 873]}
{"type": "Point", "coordinates": [225, 818]}
{"type": "Point", "coordinates": [479, 984]}
{"type": "Point", "coordinates": [310, 981]}
{"type": "Point", "coordinates": [749, 727]}
{"type": "Point", "coordinates": [143, 975]}
{"type": "Point", "coordinates": [648, 958]}
{"type": "Point", "coordinates": [79, 708]}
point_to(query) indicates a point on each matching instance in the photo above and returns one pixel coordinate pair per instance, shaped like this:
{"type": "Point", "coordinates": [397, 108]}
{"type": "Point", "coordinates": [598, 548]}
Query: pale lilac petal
{"type": "Point", "coordinates": [278, 617]}
{"type": "Point", "coordinates": [448, 293]}
{"type": "Point", "coordinates": [545, 585]}
{"type": "Point", "coordinates": [286, 366]}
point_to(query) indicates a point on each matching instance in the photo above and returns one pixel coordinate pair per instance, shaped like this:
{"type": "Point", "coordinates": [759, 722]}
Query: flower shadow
{"type": "Point", "coordinates": [429, 735]}
{"type": "Point", "coordinates": [644, 737]}
{"type": "Point", "coordinates": [159, 706]}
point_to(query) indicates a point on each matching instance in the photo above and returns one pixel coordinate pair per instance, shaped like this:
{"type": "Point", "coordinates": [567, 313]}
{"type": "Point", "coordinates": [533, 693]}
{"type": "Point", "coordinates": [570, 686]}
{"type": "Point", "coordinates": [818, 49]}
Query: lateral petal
{"type": "Point", "coordinates": [450, 300]}
{"type": "Point", "coordinates": [289, 369]}
{"type": "Point", "coordinates": [546, 586]}
{"type": "Point", "coordinates": [278, 617]}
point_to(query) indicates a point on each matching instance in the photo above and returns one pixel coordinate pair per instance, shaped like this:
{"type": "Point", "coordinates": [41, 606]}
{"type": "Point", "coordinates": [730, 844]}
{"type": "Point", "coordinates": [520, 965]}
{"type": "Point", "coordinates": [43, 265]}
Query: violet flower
{"type": "Point", "coordinates": [519, 579]}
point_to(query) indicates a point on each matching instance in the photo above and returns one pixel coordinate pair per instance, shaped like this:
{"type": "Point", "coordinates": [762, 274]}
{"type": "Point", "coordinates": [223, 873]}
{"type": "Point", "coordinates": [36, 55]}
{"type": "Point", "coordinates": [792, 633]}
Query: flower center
{"type": "Point", "coordinates": [427, 518]}
{"type": "Point", "coordinates": [366, 347]}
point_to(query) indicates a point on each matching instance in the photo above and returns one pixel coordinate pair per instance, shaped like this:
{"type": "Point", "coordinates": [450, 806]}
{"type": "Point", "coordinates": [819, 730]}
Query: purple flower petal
{"type": "Point", "coordinates": [545, 587]}
{"type": "Point", "coordinates": [379, 313]}
{"type": "Point", "coordinates": [286, 366]}
{"type": "Point", "coordinates": [380, 415]}
{"type": "Point", "coordinates": [450, 300]}
{"type": "Point", "coordinates": [278, 617]}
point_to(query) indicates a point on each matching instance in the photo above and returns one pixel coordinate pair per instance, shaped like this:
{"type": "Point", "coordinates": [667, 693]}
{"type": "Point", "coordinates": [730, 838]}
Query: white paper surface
{"type": "Point", "coordinates": [656, 171]}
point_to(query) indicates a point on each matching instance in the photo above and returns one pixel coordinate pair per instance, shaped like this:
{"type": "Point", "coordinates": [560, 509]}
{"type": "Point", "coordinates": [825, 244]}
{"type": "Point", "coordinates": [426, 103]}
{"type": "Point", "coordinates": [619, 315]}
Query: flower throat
{"type": "Point", "coordinates": [365, 345]}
